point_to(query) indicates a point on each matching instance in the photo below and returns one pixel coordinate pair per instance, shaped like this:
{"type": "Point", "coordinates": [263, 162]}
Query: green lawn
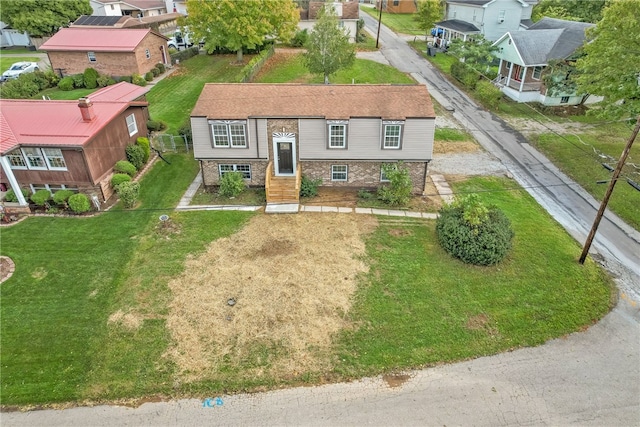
{"type": "Point", "coordinates": [402, 23]}
{"type": "Point", "coordinates": [290, 68]}
{"type": "Point", "coordinates": [173, 98]}
{"type": "Point", "coordinates": [69, 95]}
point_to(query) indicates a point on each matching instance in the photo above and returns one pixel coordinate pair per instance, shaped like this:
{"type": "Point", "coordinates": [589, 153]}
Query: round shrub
{"type": "Point", "coordinates": [41, 197]}
{"type": "Point", "coordinates": [155, 72]}
{"type": "Point", "coordinates": [137, 79]}
{"type": "Point", "coordinates": [128, 193]}
{"type": "Point", "coordinates": [60, 197]}
{"type": "Point", "coordinates": [148, 76]}
{"type": "Point", "coordinates": [78, 81]}
{"type": "Point", "coordinates": [154, 126]}
{"type": "Point", "coordinates": [135, 154]}
{"type": "Point", "coordinates": [309, 187]}
{"type": "Point", "coordinates": [91, 78]}
{"type": "Point", "coordinates": [231, 184]}
{"type": "Point", "coordinates": [79, 203]}
{"type": "Point", "coordinates": [10, 196]}
{"type": "Point", "coordinates": [160, 67]}
{"type": "Point", "coordinates": [119, 178]}
{"type": "Point", "coordinates": [144, 143]}
{"type": "Point", "coordinates": [66, 83]}
{"type": "Point", "coordinates": [124, 166]}
{"type": "Point", "coordinates": [483, 243]}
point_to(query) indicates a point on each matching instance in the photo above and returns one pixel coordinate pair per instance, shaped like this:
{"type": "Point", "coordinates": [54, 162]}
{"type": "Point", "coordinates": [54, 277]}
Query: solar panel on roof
{"type": "Point", "coordinates": [106, 21]}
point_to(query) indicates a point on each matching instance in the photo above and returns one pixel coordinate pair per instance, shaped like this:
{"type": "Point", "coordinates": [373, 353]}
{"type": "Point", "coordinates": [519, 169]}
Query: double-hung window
{"type": "Point", "coordinates": [392, 135]}
{"type": "Point", "coordinates": [537, 71]}
{"type": "Point", "coordinates": [229, 134]}
{"type": "Point", "coordinates": [337, 131]}
{"type": "Point", "coordinates": [132, 126]}
{"type": "Point", "coordinates": [16, 160]}
{"type": "Point", "coordinates": [54, 158]}
{"type": "Point", "coordinates": [245, 170]}
{"type": "Point", "coordinates": [147, 53]}
{"type": "Point", "coordinates": [338, 172]}
{"type": "Point", "coordinates": [35, 160]}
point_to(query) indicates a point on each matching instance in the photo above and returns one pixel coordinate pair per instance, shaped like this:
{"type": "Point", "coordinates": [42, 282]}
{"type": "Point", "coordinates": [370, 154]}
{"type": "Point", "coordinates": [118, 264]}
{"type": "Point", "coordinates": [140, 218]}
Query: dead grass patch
{"type": "Point", "coordinates": [482, 322]}
{"type": "Point", "coordinates": [448, 147]}
{"type": "Point", "coordinates": [291, 278]}
{"type": "Point", "coordinates": [129, 321]}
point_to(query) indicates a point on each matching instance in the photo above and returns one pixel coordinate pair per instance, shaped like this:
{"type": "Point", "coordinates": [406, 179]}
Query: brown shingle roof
{"type": "Point", "coordinates": [242, 100]}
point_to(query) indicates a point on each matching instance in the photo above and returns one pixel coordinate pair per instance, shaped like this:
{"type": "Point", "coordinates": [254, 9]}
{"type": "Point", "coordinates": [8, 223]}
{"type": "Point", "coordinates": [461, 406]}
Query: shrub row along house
{"type": "Point", "coordinates": [343, 134]}
{"type": "Point", "coordinates": [73, 145]}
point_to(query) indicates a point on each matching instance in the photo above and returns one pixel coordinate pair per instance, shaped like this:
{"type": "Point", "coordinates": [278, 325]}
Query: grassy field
{"type": "Point", "coordinates": [7, 61]}
{"type": "Point", "coordinates": [402, 23]}
{"type": "Point", "coordinates": [290, 68]}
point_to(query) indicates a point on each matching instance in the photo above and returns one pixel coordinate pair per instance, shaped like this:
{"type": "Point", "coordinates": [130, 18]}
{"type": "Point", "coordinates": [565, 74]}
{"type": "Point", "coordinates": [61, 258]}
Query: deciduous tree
{"type": "Point", "coordinates": [328, 48]}
{"type": "Point", "coordinates": [610, 67]}
{"type": "Point", "coordinates": [429, 12]}
{"type": "Point", "coordinates": [476, 53]}
{"type": "Point", "coordinates": [236, 24]}
{"type": "Point", "coordinates": [571, 10]}
{"type": "Point", "coordinates": [42, 17]}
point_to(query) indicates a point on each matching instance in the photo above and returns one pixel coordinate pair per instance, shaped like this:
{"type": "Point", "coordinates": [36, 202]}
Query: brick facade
{"type": "Point", "coordinates": [211, 172]}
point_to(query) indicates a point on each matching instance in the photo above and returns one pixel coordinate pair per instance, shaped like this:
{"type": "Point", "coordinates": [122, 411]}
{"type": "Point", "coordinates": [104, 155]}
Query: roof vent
{"type": "Point", "coordinates": [86, 109]}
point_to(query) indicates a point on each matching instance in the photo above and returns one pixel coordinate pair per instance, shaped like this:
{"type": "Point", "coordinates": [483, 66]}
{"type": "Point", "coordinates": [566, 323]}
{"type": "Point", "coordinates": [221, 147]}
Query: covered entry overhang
{"type": "Point", "coordinates": [451, 29]}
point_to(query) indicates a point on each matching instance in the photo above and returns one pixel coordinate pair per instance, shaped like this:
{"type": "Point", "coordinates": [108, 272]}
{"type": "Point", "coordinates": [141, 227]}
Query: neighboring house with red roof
{"type": "Point", "coordinates": [347, 14]}
{"type": "Point", "coordinates": [74, 145]}
{"type": "Point", "coordinates": [110, 51]}
{"type": "Point", "coordinates": [343, 134]}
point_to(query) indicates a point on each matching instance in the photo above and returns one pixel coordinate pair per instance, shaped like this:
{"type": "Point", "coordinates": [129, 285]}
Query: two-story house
{"type": "Point", "coordinates": [491, 18]}
{"type": "Point", "coordinates": [347, 14]}
{"type": "Point", "coordinates": [342, 134]}
{"type": "Point", "coordinates": [135, 8]}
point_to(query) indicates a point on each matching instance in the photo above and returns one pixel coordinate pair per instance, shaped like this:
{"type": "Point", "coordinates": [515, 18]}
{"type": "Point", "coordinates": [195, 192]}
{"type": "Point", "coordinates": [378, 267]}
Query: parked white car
{"type": "Point", "coordinates": [18, 69]}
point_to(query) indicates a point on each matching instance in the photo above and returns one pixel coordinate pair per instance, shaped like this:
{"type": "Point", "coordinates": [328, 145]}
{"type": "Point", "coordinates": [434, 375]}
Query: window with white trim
{"type": "Point", "coordinates": [229, 134]}
{"type": "Point", "coordinates": [147, 53]}
{"type": "Point", "coordinates": [54, 158]}
{"type": "Point", "coordinates": [338, 172]}
{"type": "Point", "coordinates": [16, 160]}
{"type": "Point", "coordinates": [92, 56]}
{"type": "Point", "coordinates": [244, 169]}
{"type": "Point", "coordinates": [50, 187]}
{"type": "Point", "coordinates": [392, 135]}
{"type": "Point", "coordinates": [132, 126]}
{"type": "Point", "coordinates": [337, 131]}
{"type": "Point", "coordinates": [564, 100]}
{"type": "Point", "coordinates": [34, 157]}
{"type": "Point", "coordinates": [537, 71]}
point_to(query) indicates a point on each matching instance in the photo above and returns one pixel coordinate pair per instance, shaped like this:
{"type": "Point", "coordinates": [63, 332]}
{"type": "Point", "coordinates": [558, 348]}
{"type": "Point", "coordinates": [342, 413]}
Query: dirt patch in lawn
{"type": "Point", "coordinates": [268, 299]}
{"type": "Point", "coordinates": [448, 147]}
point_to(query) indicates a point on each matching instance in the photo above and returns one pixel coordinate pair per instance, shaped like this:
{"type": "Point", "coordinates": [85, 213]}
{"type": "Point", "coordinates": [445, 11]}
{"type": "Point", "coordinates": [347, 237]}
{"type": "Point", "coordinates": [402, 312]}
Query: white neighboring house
{"type": "Point", "coordinates": [135, 8]}
{"type": "Point", "coordinates": [524, 55]}
{"type": "Point", "coordinates": [179, 6]}
{"type": "Point", "coordinates": [346, 12]}
{"type": "Point", "coordinates": [491, 18]}
{"type": "Point", "coordinates": [10, 37]}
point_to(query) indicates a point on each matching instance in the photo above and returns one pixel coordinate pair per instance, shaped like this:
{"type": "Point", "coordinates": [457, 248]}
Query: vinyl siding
{"type": "Point", "coordinates": [203, 148]}
{"type": "Point", "coordinates": [364, 141]}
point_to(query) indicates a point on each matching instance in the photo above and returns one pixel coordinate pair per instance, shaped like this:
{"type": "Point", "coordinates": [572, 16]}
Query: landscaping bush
{"type": "Point", "coordinates": [91, 78]}
{"type": "Point", "coordinates": [66, 83]}
{"type": "Point", "coordinates": [78, 81]}
{"type": "Point", "coordinates": [79, 203]}
{"type": "Point", "coordinates": [146, 147]}
{"type": "Point", "coordinates": [488, 94]}
{"type": "Point", "coordinates": [148, 76]}
{"type": "Point", "coordinates": [41, 197]}
{"type": "Point", "coordinates": [25, 86]}
{"type": "Point", "coordinates": [309, 187]}
{"type": "Point", "coordinates": [160, 67]}
{"type": "Point", "coordinates": [103, 81]}
{"type": "Point", "coordinates": [135, 154]}
{"type": "Point", "coordinates": [155, 126]}
{"type": "Point", "coordinates": [155, 72]}
{"type": "Point", "coordinates": [251, 69]}
{"type": "Point", "coordinates": [137, 79]}
{"type": "Point", "coordinates": [398, 191]}
{"type": "Point", "coordinates": [300, 38]}
{"type": "Point", "coordinates": [473, 233]}
{"type": "Point", "coordinates": [11, 195]}
{"type": "Point", "coordinates": [61, 197]}
{"type": "Point", "coordinates": [128, 193]}
{"type": "Point", "coordinates": [231, 184]}
{"type": "Point", "coordinates": [119, 178]}
{"type": "Point", "coordinates": [185, 129]}
{"type": "Point", "coordinates": [124, 166]}
{"type": "Point", "coordinates": [465, 74]}
{"type": "Point", "coordinates": [184, 54]}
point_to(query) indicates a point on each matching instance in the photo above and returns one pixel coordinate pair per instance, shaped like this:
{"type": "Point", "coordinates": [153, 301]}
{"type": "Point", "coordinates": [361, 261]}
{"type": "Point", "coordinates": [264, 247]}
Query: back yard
{"type": "Point", "coordinates": [123, 307]}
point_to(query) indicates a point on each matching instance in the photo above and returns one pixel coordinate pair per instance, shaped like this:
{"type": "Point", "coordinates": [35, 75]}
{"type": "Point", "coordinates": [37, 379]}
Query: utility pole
{"type": "Point", "coordinates": [612, 183]}
{"type": "Point", "coordinates": [379, 22]}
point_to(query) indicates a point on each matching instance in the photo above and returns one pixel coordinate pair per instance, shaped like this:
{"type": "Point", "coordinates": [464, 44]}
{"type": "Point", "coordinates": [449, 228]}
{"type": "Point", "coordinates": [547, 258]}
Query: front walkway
{"type": "Point", "coordinates": [184, 205]}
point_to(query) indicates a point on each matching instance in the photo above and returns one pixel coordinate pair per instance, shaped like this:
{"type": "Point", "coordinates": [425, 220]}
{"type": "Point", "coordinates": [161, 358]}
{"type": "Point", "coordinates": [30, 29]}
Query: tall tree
{"type": "Point", "coordinates": [235, 25]}
{"type": "Point", "coordinates": [571, 10]}
{"type": "Point", "coordinates": [429, 12]}
{"type": "Point", "coordinates": [610, 67]}
{"type": "Point", "coordinates": [42, 17]}
{"type": "Point", "coordinates": [477, 53]}
{"type": "Point", "coordinates": [328, 48]}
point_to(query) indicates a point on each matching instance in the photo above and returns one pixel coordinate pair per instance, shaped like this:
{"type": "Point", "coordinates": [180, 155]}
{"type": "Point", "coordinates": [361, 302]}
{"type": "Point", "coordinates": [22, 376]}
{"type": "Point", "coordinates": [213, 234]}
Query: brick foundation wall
{"type": "Point", "coordinates": [211, 172]}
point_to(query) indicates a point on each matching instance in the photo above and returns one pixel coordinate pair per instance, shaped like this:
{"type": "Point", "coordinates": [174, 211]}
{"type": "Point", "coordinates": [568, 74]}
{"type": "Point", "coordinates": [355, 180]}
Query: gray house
{"type": "Point", "coordinates": [491, 18]}
{"type": "Point", "coordinates": [343, 134]}
{"type": "Point", "coordinates": [524, 55]}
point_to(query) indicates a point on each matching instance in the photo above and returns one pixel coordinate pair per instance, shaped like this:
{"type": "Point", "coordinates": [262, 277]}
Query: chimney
{"type": "Point", "coordinates": [86, 109]}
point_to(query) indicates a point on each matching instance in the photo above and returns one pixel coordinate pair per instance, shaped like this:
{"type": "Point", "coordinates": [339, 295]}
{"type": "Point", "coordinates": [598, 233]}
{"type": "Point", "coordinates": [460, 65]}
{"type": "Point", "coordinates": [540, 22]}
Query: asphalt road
{"type": "Point", "coordinates": [617, 244]}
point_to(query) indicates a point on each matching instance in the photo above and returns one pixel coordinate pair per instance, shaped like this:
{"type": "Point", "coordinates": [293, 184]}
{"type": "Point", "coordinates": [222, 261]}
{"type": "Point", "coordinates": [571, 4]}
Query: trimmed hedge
{"type": "Point", "coordinates": [10, 196]}
{"type": "Point", "coordinates": [135, 154]}
{"type": "Point", "coordinates": [61, 197]}
{"type": "Point", "coordinates": [124, 166]}
{"type": "Point", "coordinates": [91, 78]}
{"type": "Point", "coordinates": [41, 197]}
{"type": "Point", "coordinates": [128, 193]}
{"type": "Point", "coordinates": [79, 203]}
{"type": "Point", "coordinates": [184, 54]}
{"type": "Point", "coordinates": [146, 147]}
{"type": "Point", "coordinates": [119, 178]}
{"type": "Point", "coordinates": [249, 71]}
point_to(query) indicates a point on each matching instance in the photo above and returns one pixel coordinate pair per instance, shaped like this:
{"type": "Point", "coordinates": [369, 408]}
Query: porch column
{"type": "Point", "coordinates": [510, 72]}
{"type": "Point", "coordinates": [500, 71]}
{"type": "Point", "coordinates": [4, 161]}
{"type": "Point", "coordinates": [524, 75]}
